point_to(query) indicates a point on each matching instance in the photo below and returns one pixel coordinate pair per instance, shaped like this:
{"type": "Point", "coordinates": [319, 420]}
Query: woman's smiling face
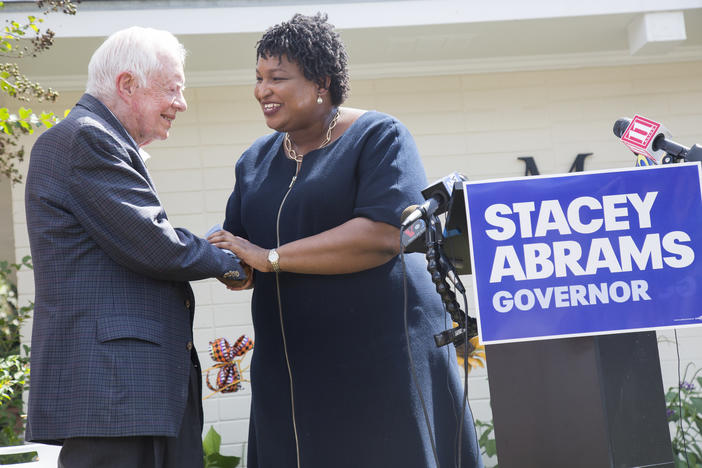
{"type": "Point", "coordinates": [287, 98]}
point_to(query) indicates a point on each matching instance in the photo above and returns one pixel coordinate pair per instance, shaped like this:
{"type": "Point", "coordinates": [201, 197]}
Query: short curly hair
{"type": "Point", "coordinates": [312, 43]}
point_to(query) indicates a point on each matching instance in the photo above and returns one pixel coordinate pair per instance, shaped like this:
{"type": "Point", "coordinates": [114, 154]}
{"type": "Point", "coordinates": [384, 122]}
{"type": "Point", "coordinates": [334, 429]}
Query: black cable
{"type": "Point", "coordinates": [680, 418]}
{"type": "Point", "coordinates": [442, 273]}
{"type": "Point", "coordinates": [466, 403]}
{"type": "Point", "coordinates": [443, 267]}
{"type": "Point", "coordinates": [458, 417]}
{"type": "Point", "coordinates": [411, 360]}
{"type": "Point", "coordinates": [465, 345]}
{"type": "Point", "coordinates": [465, 400]}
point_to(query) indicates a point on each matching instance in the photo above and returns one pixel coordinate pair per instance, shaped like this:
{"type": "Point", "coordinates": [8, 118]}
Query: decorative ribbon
{"type": "Point", "coordinates": [229, 375]}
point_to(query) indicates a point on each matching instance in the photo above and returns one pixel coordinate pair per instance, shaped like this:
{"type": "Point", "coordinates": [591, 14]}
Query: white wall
{"type": "Point", "coordinates": [477, 124]}
{"type": "Point", "coordinates": [7, 238]}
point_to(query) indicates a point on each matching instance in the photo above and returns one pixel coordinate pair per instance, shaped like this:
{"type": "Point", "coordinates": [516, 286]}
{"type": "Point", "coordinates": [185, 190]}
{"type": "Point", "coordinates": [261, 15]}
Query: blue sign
{"type": "Point", "coordinates": [586, 253]}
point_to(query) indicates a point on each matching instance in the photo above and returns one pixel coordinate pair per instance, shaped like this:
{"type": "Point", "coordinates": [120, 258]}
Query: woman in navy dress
{"type": "Point", "coordinates": [315, 212]}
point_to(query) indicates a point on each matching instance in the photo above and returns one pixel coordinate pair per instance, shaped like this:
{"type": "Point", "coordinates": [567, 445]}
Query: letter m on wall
{"type": "Point", "coordinates": [531, 168]}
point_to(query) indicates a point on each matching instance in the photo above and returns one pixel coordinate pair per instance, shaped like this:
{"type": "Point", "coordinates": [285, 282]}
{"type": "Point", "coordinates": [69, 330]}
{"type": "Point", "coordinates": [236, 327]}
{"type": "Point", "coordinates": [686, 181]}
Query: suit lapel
{"type": "Point", "coordinates": [138, 164]}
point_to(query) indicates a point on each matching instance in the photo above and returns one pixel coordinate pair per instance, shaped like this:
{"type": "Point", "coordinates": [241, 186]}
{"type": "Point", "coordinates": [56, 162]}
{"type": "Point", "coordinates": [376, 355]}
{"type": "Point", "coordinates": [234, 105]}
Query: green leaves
{"type": "Point", "coordinates": [15, 31]}
{"type": "Point", "coordinates": [14, 358]}
{"type": "Point", "coordinates": [486, 438]}
{"type": "Point", "coordinates": [48, 119]}
{"type": "Point", "coordinates": [212, 457]}
{"type": "Point", "coordinates": [14, 373]}
{"type": "Point", "coordinates": [684, 410]}
{"type": "Point", "coordinates": [25, 121]}
{"type": "Point", "coordinates": [21, 39]}
{"type": "Point", "coordinates": [12, 126]}
{"type": "Point", "coordinates": [212, 442]}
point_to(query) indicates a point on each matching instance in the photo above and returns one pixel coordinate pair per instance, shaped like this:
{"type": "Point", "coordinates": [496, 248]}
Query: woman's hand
{"type": "Point", "coordinates": [250, 254]}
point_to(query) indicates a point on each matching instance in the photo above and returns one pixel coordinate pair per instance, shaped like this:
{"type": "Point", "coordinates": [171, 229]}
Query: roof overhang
{"type": "Point", "coordinates": [386, 38]}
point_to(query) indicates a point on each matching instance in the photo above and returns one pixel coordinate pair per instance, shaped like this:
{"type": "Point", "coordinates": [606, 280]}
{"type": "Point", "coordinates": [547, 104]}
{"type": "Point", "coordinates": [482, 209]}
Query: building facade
{"type": "Point", "coordinates": [479, 84]}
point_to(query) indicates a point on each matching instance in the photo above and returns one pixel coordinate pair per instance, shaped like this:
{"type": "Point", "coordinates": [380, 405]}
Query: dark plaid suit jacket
{"type": "Point", "coordinates": [112, 328]}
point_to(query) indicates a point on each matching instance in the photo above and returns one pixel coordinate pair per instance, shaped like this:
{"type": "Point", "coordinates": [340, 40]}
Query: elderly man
{"type": "Point", "coordinates": [114, 375]}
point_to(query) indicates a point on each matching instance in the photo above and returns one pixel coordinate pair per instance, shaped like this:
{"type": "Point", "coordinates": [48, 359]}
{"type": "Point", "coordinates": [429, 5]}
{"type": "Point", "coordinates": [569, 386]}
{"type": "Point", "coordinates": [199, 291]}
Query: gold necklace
{"type": "Point", "coordinates": [292, 154]}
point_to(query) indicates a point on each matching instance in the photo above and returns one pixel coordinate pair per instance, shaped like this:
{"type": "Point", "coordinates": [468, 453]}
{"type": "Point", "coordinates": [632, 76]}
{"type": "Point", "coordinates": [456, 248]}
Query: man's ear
{"type": "Point", "coordinates": [126, 85]}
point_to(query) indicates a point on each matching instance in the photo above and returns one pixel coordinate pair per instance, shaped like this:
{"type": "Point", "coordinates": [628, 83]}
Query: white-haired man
{"type": "Point", "coordinates": [115, 377]}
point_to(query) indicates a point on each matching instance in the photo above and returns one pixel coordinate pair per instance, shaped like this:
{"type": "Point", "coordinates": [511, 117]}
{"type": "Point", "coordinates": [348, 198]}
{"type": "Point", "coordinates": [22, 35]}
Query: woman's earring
{"type": "Point", "coordinates": [319, 100]}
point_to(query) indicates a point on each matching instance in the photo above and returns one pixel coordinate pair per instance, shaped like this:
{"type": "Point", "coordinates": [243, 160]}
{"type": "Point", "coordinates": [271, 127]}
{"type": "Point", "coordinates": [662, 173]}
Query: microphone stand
{"type": "Point", "coordinates": [439, 268]}
{"type": "Point", "coordinates": [683, 155]}
{"type": "Point", "coordinates": [675, 153]}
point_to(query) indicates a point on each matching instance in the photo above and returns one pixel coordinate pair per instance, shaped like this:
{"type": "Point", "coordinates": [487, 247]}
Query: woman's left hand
{"type": "Point", "coordinates": [251, 254]}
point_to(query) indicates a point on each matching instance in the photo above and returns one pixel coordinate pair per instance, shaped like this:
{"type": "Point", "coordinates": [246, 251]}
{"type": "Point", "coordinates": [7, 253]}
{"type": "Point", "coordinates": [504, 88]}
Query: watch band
{"type": "Point", "coordinates": [273, 260]}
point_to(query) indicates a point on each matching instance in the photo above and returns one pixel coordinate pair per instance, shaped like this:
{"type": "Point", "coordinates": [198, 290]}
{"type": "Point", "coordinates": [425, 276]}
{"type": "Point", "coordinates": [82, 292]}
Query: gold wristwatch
{"type": "Point", "coordinates": [273, 258]}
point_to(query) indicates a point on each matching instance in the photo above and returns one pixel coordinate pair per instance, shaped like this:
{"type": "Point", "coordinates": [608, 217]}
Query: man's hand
{"type": "Point", "coordinates": [235, 284]}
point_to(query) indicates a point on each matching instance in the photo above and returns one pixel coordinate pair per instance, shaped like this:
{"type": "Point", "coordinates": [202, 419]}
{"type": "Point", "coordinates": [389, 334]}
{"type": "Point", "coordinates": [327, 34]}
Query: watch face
{"type": "Point", "coordinates": [272, 256]}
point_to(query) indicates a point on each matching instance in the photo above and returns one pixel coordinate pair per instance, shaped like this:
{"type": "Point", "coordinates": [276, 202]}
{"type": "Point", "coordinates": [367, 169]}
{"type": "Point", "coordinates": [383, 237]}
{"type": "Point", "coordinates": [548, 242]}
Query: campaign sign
{"type": "Point", "coordinates": [586, 253]}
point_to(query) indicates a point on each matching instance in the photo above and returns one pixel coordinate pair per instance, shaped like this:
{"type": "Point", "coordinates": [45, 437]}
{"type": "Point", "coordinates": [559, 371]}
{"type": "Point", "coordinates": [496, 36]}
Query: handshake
{"type": "Point", "coordinates": [227, 242]}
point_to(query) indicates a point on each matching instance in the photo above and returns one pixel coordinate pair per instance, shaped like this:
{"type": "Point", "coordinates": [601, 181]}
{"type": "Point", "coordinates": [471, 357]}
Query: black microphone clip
{"type": "Point", "coordinates": [437, 197]}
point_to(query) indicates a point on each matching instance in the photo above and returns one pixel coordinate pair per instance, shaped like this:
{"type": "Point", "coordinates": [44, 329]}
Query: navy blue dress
{"type": "Point", "coordinates": [353, 401]}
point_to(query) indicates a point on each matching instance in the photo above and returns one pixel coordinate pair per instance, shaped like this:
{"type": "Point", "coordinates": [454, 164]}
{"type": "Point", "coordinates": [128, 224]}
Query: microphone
{"type": "Point", "coordinates": [651, 139]}
{"type": "Point", "coordinates": [437, 197]}
{"type": "Point", "coordinates": [642, 136]}
{"type": "Point", "coordinates": [412, 236]}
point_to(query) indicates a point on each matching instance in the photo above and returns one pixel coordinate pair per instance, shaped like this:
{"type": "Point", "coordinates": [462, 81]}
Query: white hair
{"type": "Point", "coordinates": [137, 50]}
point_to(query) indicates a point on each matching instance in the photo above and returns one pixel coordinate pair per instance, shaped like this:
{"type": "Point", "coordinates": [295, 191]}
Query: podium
{"type": "Point", "coordinates": [572, 273]}
{"type": "Point", "coordinates": [586, 402]}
